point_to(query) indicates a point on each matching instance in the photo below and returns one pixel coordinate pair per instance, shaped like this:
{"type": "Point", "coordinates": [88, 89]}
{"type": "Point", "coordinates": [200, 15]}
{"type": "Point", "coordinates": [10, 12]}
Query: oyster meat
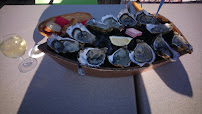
{"type": "Point", "coordinates": [99, 26]}
{"type": "Point", "coordinates": [120, 58]}
{"type": "Point", "coordinates": [63, 45]}
{"type": "Point", "coordinates": [159, 28]}
{"type": "Point", "coordinates": [80, 33]}
{"type": "Point", "coordinates": [142, 54]}
{"type": "Point", "coordinates": [71, 46]}
{"type": "Point", "coordinates": [164, 50]}
{"type": "Point", "coordinates": [93, 57]}
{"type": "Point", "coordinates": [112, 21]}
{"type": "Point", "coordinates": [144, 17]}
{"type": "Point", "coordinates": [126, 18]}
{"type": "Point", "coordinates": [181, 45]}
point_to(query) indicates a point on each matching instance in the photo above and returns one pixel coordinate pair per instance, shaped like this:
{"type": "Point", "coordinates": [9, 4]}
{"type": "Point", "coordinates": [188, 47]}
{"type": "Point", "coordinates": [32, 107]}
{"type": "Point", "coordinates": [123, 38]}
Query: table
{"type": "Point", "coordinates": [51, 88]}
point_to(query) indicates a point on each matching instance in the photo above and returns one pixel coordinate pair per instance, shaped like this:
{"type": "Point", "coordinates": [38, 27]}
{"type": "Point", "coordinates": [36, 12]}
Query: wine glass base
{"type": "Point", "coordinates": [27, 65]}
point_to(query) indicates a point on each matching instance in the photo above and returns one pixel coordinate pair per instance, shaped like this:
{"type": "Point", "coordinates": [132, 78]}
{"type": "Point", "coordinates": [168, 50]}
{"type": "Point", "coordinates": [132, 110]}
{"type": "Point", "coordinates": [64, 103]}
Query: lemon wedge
{"type": "Point", "coordinates": [120, 40]}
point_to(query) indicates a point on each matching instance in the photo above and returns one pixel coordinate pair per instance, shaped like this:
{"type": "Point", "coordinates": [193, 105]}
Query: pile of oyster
{"type": "Point", "coordinates": [90, 45]}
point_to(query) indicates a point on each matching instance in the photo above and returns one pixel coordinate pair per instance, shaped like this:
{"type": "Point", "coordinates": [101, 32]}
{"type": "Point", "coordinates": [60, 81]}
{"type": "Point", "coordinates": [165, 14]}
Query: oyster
{"type": "Point", "coordinates": [145, 18]}
{"type": "Point", "coordinates": [181, 44]}
{"type": "Point", "coordinates": [159, 28]}
{"type": "Point", "coordinates": [71, 45]}
{"type": "Point", "coordinates": [120, 58]}
{"type": "Point", "coordinates": [112, 21]}
{"type": "Point", "coordinates": [80, 33]}
{"type": "Point", "coordinates": [63, 45]}
{"type": "Point", "coordinates": [126, 18]}
{"type": "Point", "coordinates": [92, 57]}
{"type": "Point", "coordinates": [57, 46]}
{"type": "Point", "coordinates": [164, 50]}
{"type": "Point", "coordinates": [142, 54]}
{"type": "Point", "coordinates": [99, 26]}
{"type": "Point", "coordinates": [131, 9]}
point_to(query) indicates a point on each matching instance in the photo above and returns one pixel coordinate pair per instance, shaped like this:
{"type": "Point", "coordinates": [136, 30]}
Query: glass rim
{"type": "Point", "coordinates": [3, 37]}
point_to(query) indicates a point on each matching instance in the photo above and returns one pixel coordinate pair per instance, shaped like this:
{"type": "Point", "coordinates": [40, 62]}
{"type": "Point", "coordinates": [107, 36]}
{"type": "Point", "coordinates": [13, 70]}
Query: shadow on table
{"type": "Point", "coordinates": [55, 89]}
{"type": "Point", "coordinates": [173, 75]}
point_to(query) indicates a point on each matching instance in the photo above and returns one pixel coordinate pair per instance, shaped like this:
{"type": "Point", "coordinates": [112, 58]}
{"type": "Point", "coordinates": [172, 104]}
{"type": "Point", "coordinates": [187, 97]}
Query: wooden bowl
{"type": "Point", "coordinates": [103, 71]}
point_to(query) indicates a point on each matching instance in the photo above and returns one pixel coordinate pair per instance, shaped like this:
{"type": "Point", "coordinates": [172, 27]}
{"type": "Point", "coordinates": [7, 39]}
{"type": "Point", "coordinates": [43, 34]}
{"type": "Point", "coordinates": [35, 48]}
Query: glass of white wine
{"type": "Point", "coordinates": [14, 46]}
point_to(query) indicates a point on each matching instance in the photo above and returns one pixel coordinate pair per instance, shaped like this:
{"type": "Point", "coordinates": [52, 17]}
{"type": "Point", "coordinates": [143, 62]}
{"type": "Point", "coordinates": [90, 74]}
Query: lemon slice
{"type": "Point", "coordinates": [120, 40]}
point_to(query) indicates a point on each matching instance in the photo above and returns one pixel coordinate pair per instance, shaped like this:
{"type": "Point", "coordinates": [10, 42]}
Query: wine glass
{"type": "Point", "coordinates": [14, 46]}
{"type": "Point", "coordinates": [34, 52]}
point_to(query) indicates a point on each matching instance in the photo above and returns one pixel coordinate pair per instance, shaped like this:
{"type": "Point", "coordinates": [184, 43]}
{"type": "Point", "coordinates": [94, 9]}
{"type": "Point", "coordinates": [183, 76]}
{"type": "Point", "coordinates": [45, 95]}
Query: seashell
{"type": "Point", "coordinates": [99, 26]}
{"type": "Point", "coordinates": [71, 45]}
{"type": "Point", "coordinates": [159, 28]}
{"type": "Point", "coordinates": [126, 18]}
{"type": "Point", "coordinates": [144, 17]}
{"type": "Point", "coordinates": [63, 45]}
{"type": "Point", "coordinates": [92, 57]}
{"type": "Point", "coordinates": [57, 46]}
{"type": "Point", "coordinates": [142, 54]}
{"type": "Point", "coordinates": [120, 58]}
{"type": "Point", "coordinates": [164, 50]}
{"type": "Point", "coordinates": [80, 33]}
{"type": "Point", "coordinates": [131, 9]}
{"type": "Point", "coordinates": [181, 44]}
{"type": "Point", "coordinates": [112, 21]}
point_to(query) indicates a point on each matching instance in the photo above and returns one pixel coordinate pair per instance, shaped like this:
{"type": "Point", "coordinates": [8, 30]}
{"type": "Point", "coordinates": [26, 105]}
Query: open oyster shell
{"type": "Point", "coordinates": [159, 28]}
{"type": "Point", "coordinates": [145, 18]}
{"type": "Point", "coordinates": [112, 21]}
{"type": "Point", "coordinates": [63, 45]}
{"type": "Point", "coordinates": [93, 57]}
{"type": "Point", "coordinates": [126, 18]}
{"type": "Point", "coordinates": [80, 33]}
{"type": "Point", "coordinates": [181, 45]}
{"type": "Point", "coordinates": [120, 58]}
{"type": "Point", "coordinates": [164, 50]}
{"type": "Point", "coordinates": [131, 9]}
{"type": "Point", "coordinates": [99, 26]}
{"type": "Point", "coordinates": [142, 54]}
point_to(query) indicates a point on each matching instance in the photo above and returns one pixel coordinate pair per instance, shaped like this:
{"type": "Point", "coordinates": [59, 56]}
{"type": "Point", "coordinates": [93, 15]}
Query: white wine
{"type": "Point", "coordinates": [13, 47]}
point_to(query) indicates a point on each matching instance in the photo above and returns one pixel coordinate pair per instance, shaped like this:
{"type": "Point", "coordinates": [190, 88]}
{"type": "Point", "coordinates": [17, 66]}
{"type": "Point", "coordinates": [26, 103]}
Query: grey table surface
{"type": "Point", "coordinates": [51, 88]}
